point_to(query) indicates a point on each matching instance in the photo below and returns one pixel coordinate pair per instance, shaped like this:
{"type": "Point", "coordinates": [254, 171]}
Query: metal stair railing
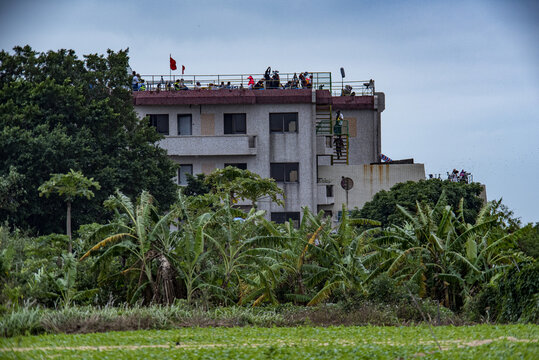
{"type": "Point", "coordinates": [324, 124]}
{"type": "Point", "coordinates": [344, 136]}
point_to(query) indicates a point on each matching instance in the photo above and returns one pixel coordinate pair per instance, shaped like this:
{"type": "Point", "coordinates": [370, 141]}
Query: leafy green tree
{"type": "Point", "coordinates": [69, 186]}
{"type": "Point", "coordinates": [241, 184]}
{"type": "Point", "coordinates": [383, 207]}
{"type": "Point", "coordinates": [11, 190]}
{"type": "Point", "coordinates": [529, 240]}
{"type": "Point", "coordinates": [59, 112]}
{"type": "Point", "coordinates": [196, 185]}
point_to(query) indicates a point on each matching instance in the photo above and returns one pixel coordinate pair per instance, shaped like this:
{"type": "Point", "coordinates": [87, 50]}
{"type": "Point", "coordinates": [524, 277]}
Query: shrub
{"type": "Point", "coordinates": [384, 289]}
{"type": "Point", "coordinates": [519, 294]}
{"type": "Point", "coordinates": [22, 322]}
{"type": "Point", "coordinates": [514, 297]}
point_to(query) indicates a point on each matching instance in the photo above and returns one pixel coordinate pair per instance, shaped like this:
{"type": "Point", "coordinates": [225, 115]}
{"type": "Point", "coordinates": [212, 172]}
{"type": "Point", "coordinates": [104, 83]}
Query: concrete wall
{"type": "Point", "coordinates": [364, 130]}
{"type": "Point", "coordinates": [208, 148]}
{"type": "Point", "coordinates": [368, 180]}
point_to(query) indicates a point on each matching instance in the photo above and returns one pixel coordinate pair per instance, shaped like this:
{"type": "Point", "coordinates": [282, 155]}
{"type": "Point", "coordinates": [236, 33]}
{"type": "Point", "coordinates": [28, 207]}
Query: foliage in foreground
{"type": "Point", "coordinates": [89, 319]}
{"type": "Point", "coordinates": [210, 253]}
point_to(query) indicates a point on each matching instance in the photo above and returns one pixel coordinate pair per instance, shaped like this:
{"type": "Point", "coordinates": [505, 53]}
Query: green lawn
{"type": "Point", "coordinates": [367, 342]}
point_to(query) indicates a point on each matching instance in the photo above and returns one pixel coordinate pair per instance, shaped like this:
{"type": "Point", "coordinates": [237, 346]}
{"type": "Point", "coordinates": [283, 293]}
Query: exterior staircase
{"type": "Point", "coordinates": [340, 156]}
{"type": "Point", "coordinates": [324, 126]}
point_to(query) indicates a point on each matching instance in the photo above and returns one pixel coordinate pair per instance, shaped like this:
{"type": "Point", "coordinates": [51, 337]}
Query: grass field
{"type": "Point", "coordinates": [366, 342]}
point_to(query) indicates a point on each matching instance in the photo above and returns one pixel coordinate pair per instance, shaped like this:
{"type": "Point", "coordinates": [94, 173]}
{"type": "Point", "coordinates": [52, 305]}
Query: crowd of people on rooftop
{"type": "Point", "coordinates": [270, 80]}
{"type": "Point", "coordinates": [455, 176]}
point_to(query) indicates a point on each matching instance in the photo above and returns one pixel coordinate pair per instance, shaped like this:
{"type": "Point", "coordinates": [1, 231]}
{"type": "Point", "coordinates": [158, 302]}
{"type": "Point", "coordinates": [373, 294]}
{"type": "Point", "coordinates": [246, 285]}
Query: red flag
{"type": "Point", "coordinates": [183, 69]}
{"type": "Point", "coordinates": [172, 64]}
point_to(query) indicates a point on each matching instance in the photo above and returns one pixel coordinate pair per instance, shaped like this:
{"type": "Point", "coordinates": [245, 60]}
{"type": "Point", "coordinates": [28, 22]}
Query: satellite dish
{"type": "Point", "coordinates": [342, 72]}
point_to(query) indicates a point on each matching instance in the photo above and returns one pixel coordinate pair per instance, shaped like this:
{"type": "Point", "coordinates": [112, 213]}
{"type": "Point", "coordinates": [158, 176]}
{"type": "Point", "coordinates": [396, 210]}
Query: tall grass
{"type": "Point", "coordinates": [88, 319]}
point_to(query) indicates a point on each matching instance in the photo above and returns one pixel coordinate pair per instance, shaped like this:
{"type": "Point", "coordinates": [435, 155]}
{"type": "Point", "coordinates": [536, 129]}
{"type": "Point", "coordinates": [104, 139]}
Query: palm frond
{"type": "Point", "coordinates": [324, 293]}
{"type": "Point", "coordinates": [400, 260]}
{"type": "Point", "coordinates": [104, 243]}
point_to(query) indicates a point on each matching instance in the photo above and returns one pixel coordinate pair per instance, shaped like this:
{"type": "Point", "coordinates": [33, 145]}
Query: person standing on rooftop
{"type": "Point", "coordinates": [134, 81]}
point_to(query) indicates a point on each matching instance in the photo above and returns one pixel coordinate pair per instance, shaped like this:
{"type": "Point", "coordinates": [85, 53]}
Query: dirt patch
{"type": "Point", "coordinates": [463, 344]}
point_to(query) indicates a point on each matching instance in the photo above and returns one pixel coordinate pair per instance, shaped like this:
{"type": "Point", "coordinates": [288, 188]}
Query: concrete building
{"type": "Point", "coordinates": [288, 135]}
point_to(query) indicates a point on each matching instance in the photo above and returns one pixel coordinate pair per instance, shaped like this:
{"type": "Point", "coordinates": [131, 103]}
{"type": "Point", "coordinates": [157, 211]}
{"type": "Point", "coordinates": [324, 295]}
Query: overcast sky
{"type": "Point", "coordinates": [461, 78]}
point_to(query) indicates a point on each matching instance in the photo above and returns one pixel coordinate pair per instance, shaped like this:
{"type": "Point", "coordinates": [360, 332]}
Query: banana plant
{"type": "Point", "coordinates": [446, 257]}
{"type": "Point", "coordinates": [138, 232]}
{"type": "Point", "coordinates": [239, 244]}
{"type": "Point", "coordinates": [189, 251]}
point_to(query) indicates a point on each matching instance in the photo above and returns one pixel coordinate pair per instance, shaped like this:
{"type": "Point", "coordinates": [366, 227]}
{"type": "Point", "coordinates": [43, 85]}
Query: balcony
{"type": "Point", "coordinates": [223, 145]}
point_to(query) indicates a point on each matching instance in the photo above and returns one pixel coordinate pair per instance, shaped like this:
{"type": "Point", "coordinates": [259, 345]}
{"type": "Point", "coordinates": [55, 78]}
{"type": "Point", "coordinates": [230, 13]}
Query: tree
{"type": "Point", "coordinates": [59, 112]}
{"type": "Point", "coordinates": [196, 185]}
{"type": "Point", "coordinates": [10, 190]}
{"type": "Point", "coordinates": [143, 236]}
{"type": "Point", "coordinates": [383, 207]}
{"type": "Point", "coordinates": [446, 257]}
{"type": "Point", "coordinates": [69, 186]}
{"type": "Point", "coordinates": [243, 184]}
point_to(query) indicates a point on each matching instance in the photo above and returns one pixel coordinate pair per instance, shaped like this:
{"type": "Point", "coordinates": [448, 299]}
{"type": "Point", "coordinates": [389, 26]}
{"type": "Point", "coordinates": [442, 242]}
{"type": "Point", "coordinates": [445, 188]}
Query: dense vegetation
{"type": "Point", "coordinates": [57, 113]}
{"type": "Point", "coordinates": [427, 251]}
{"type": "Point", "coordinates": [209, 253]}
{"type": "Point", "coordinates": [383, 207]}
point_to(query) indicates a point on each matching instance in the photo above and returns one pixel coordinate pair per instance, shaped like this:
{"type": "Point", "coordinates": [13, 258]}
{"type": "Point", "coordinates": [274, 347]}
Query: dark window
{"type": "Point", "coordinates": [182, 173]}
{"type": "Point", "coordinates": [242, 166]}
{"type": "Point", "coordinates": [235, 124]}
{"type": "Point", "coordinates": [329, 190]}
{"type": "Point", "coordinates": [281, 217]}
{"type": "Point", "coordinates": [184, 124]}
{"type": "Point", "coordinates": [284, 122]}
{"type": "Point", "coordinates": [160, 122]}
{"type": "Point", "coordinates": [287, 172]}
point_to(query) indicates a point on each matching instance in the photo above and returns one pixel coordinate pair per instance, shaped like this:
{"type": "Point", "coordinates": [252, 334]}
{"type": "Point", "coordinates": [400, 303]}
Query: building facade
{"type": "Point", "coordinates": [288, 135]}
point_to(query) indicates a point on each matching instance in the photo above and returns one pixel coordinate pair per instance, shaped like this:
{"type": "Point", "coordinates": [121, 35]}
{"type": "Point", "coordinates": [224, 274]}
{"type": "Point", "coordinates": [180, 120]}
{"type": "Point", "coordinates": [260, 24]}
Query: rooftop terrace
{"type": "Point", "coordinates": [234, 90]}
{"type": "Point", "coordinates": [250, 97]}
{"type": "Point", "coordinates": [320, 81]}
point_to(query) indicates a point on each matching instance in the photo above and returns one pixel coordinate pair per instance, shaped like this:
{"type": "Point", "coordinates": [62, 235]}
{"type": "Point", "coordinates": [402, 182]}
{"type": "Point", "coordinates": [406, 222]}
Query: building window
{"type": "Point", "coordinates": [286, 172]}
{"type": "Point", "coordinates": [329, 190]}
{"type": "Point", "coordinates": [281, 217]}
{"type": "Point", "coordinates": [242, 166]}
{"type": "Point", "coordinates": [160, 122]}
{"type": "Point", "coordinates": [235, 124]}
{"type": "Point", "coordinates": [185, 124]}
{"type": "Point", "coordinates": [182, 173]}
{"type": "Point", "coordinates": [283, 122]}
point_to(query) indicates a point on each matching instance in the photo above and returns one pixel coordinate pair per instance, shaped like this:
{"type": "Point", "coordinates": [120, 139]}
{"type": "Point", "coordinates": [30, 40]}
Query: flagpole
{"type": "Point", "coordinates": [169, 68]}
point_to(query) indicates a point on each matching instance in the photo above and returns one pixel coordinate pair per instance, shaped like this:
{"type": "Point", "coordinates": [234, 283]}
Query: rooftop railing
{"type": "Point", "coordinates": [234, 81]}
{"type": "Point", "coordinates": [320, 81]}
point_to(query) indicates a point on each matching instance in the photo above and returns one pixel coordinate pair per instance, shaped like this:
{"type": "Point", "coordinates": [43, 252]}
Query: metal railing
{"type": "Point", "coordinates": [320, 80]}
{"type": "Point", "coordinates": [353, 88]}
